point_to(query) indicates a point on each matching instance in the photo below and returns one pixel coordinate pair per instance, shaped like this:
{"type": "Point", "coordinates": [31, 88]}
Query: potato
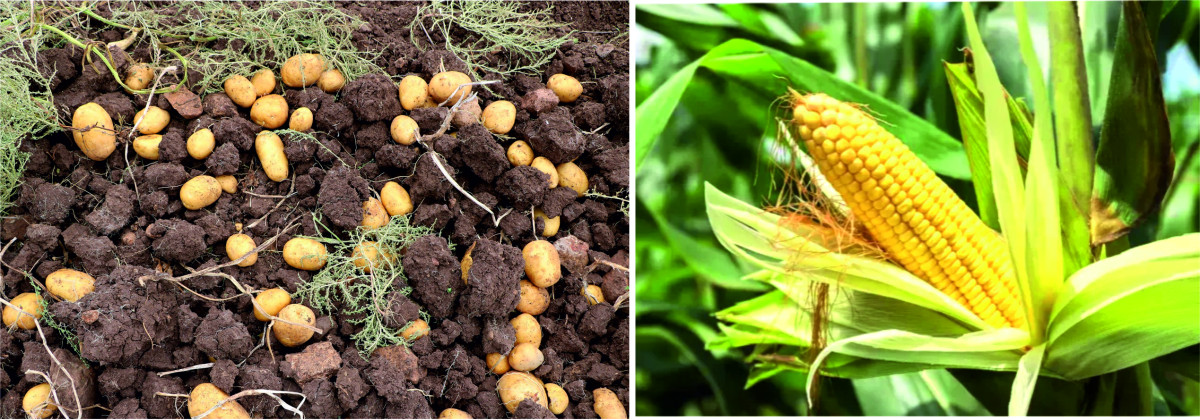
{"type": "Point", "coordinates": [199, 192]}
{"type": "Point", "coordinates": [70, 285]}
{"type": "Point", "coordinates": [566, 88]}
{"type": "Point", "coordinates": [520, 154]}
{"type": "Point", "coordinates": [201, 144]}
{"type": "Point", "coordinates": [367, 256]}
{"type": "Point", "coordinates": [551, 223]}
{"type": "Point", "coordinates": [37, 402]}
{"type": "Point", "coordinates": [444, 87]}
{"type": "Point", "coordinates": [239, 89]}
{"type": "Point", "coordinates": [294, 335]}
{"type": "Point", "coordinates": [558, 398]}
{"type": "Point", "coordinates": [593, 293]}
{"type": "Point", "coordinates": [570, 176]}
{"type": "Point", "coordinates": [263, 81]}
{"type": "Point", "coordinates": [416, 329]}
{"type": "Point", "coordinates": [525, 357]}
{"type": "Point", "coordinates": [542, 263]}
{"type": "Point", "coordinates": [544, 165]}
{"type": "Point", "coordinates": [147, 146]}
{"type": "Point", "coordinates": [468, 113]}
{"type": "Point", "coordinates": [302, 70]}
{"type": "Point", "coordinates": [155, 120]}
{"type": "Point", "coordinates": [331, 81]}
{"type": "Point", "coordinates": [414, 92]}
{"type": "Point", "coordinates": [467, 261]}
{"type": "Point", "coordinates": [274, 161]}
{"type": "Point", "coordinates": [28, 302]}
{"type": "Point", "coordinates": [301, 119]}
{"type": "Point", "coordinates": [304, 254]}
{"type": "Point", "coordinates": [515, 387]}
{"type": "Point", "coordinates": [374, 215]}
{"type": "Point", "coordinates": [93, 131]}
{"type": "Point", "coordinates": [139, 76]}
{"type": "Point", "coordinates": [534, 300]}
{"type": "Point", "coordinates": [429, 103]}
{"type": "Point", "coordinates": [454, 413]}
{"type": "Point", "coordinates": [499, 116]}
{"type": "Point", "coordinates": [607, 405]}
{"type": "Point", "coordinates": [272, 301]}
{"type": "Point", "coordinates": [395, 199]}
{"type": "Point", "coordinates": [206, 396]}
{"type": "Point", "coordinates": [240, 244]}
{"type": "Point", "coordinates": [497, 363]}
{"type": "Point", "coordinates": [270, 111]}
{"type": "Point", "coordinates": [527, 329]}
{"type": "Point", "coordinates": [228, 183]}
{"type": "Point", "coordinates": [404, 130]}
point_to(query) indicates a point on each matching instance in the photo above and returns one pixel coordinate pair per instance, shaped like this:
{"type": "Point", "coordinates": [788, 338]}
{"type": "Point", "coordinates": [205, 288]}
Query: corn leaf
{"type": "Point", "coordinates": [1026, 381]}
{"type": "Point", "coordinates": [925, 393]}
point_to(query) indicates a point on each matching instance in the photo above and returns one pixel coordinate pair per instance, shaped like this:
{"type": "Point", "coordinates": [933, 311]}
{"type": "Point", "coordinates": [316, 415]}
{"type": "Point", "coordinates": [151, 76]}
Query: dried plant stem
{"type": "Point", "coordinates": [53, 393]}
{"type": "Point", "coordinates": [186, 369]}
{"type": "Point", "coordinates": [271, 393]}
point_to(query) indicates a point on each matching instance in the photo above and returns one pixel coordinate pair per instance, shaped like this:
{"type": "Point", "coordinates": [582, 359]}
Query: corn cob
{"type": "Point", "coordinates": [913, 214]}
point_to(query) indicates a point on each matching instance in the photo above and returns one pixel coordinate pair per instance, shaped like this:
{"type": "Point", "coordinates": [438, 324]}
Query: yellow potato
{"type": "Point", "coordinates": [270, 111]}
{"type": "Point", "coordinates": [228, 183]}
{"type": "Point", "coordinates": [294, 335]}
{"type": "Point", "coordinates": [527, 329]}
{"type": "Point", "coordinates": [607, 405]}
{"type": "Point", "coordinates": [497, 363]}
{"type": "Point", "coordinates": [404, 130]}
{"type": "Point", "coordinates": [570, 176]}
{"type": "Point", "coordinates": [558, 398]}
{"type": "Point", "coordinates": [466, 263]}
{"type": "Point", "coordinates": [552, 223]}
{"type": "Point", "coordinates": [272, 301]}
{"type": "Point", "coordinates": [454, 413]}
{"type": "Point", "coordinates": [28, 302]}
{"type": "Point", "coordinates": [515, 387]}
{"type": "Point", "coordinates": [240, 244]}
{"type": "Point", "coordinates": [274, 161]}
{"type": "Point", "coordinates": [429, 103]}
{"type": "Point", "coordinates": [70, 285]}
{"type": "Point", "coordinates": [525, 357]}
{"type": "Point", "coordinates": [414, 92]}
{"type": "Point", "coordinates": [395, 199]}
{"type": "Point", "coordinates": [239, 89]}
{"type": "Point", "coordinates": [367, 256]}
{"type": "Point", "coordinates": [304, 254]}
{"type": "Point", "coordinates": [37, 402]}
{"type": "Point", "coordinates": [302, 70]}
{"type": "Point", "coordinates": [156, 119]}
{"type": "Point", "coordinates": [199, 192]}
{"type": "Point", "coordinates": [93, 131]}
{"type": "Point", "coordinates": [147, 146]}
{"type": "Point", "coordinates": [374, 215]}
{"type": "Point", "coordinates": [593, 293]}
{"type": "Point", "coordinates": [416, 329]}
{"type": "Point", "coordinates": [534, 300]}
{"type": "Point", "coordinates": [468, 113]}
{"type": "Point", "coordinates": [139, 76]}
{"type": "Point", "coordinates": [206, 396]}
{"type": "Point", "coordinates": [567, 88]}
{"type": "Point", "coordinates": [520, 154]}
{"type": "Point", "coordinates": [201, 143]}
{"type": "Point", "coordinates": [301, 119]}
{"type": "Point", "coordinates": [542, 263]}
{"type": "Point", "coordinates": [444, 87]}
{"type": "Point", "coordinates": [331, 81]}
{"type": "Point", "coordinates": [499, 116]}
{"type": "Point", "coordinates": [544, 165]}
{"type": "Point", "coordinates": [263, 81]}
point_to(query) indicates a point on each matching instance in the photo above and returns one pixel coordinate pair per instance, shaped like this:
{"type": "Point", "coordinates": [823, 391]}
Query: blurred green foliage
{"type": "Point", "coordinates": [722, 132]}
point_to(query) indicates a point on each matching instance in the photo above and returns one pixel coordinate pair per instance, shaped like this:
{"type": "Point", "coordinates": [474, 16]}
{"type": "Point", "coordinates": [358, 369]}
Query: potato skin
{"type": "Point", "coordinates": [28, 302]}
{"type": "Point", "coordinates": [301, 119]}
{"type": "Point", "coordinates": [240, 90]}
{"type": "Point", "coordinates": [607, 405]}
{"type": "Point", "coordinates": [570, 176]}
{"type": "Point", "coordinates": [155, 120]}
{"type": "Point", "coordinates": [199, 192]}
{"type": "Point", "coordinates": [99, 140]}
{"type": "Point", "coordinates": [201, 144]}
{"type": "Point", "coordinates": [269, 147]}
{"type": "Point", "coordinates": [331, 81]}
{"type": "Point", "coordinates": [37, 402]}
{"type": "Point", "coordinates": [552, 223]}
{"type": "Point", "coordinates": [368, 256]}
{"type": "Point", "coordinates": [270, 111]}
{"type": "Point", "coordinates": [293, 335]}
{"type": "Point", "coordinates": [263, 81]}
{"type": "Point", "coordinates": [534, 300]}
{"type": "Point", "coordinates": [414, 92]}
{"type": "Point", "coordinates": [272, 301]}
{"type": "Point", "coordinates": [205, 396]}
{"type": "Point", "coordinates": [593, 294]}
{"type": "Point", "coordinates": [302, 70]}
{"type": "Point", "coordinates": [542, 263]}
{"type": "Point", "coordinates": [499, 116]}
{"type": "Point", "coordinates": [147, 146]}
{"type": "Point", "coordinates": [228, 183]}
{"type": "Point", "coordinates": [404, 130]}
{"type": "Point", "coordinates": [395, 199]}
{"type": "Point", "coordinates": [544, 165]}
{"type": "Point", "coordinates": [70, 285]}
{"type": "Point", "coordinates": [558, 398]}
{"type": "Point", "coordinates": [527, 330]}
{"type": "Point", "coordinates": [497, 363]}
{"type": "Point", "coordinates": [468, 113]}
{"type": "Point", "coordinates": [520, 154]}
{"type": "Point", "coordinates": [525, 357]}
{"type": "Point", "coordinates": [442, 87]}
{"type": "Point", "coordinates": [139, 76]}
{"type": "Point", "coordinates": [454, 413]}
{"type": "Point", "coordinates": [567, 88]}
{"type": "Point", "coordinates": [416, 329]}
{"type": "Point", "coordinates": [304, 254]}
{"type": "Point", "coordinates": [374, 214]}
{"type": "Point", "coordinates": [515, 387]}
{"type": "Point", "coordinates": [238, 245]}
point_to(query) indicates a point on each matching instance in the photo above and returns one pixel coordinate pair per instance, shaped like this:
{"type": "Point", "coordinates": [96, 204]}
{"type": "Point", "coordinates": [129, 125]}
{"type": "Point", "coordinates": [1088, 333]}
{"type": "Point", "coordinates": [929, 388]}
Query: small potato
{"type": "Point", "coordinates": [274, 161]}
{"type": "Point", "coordinates": [497, 363]}
{"type": "Point", "coordinates": [534, 300]}
{"type": "Point", "coordinates": [272, 301]}
{"type": "Point", "coordinates": [558, 398]}
{"type": "Point", "coordinates": [28, 302]}
{"type": "Point", "coordinates": [301, 119]}
{"type": "Point", "coordinates": [414, 92]}
{"type": "Point", "coordinates": [593, 293]}
{"type": "Point", "coordinates": [542, 263]}
{"type": "Point", "coordinates": [37, 402]}
{"type": "Point", "coordinates": [206, 396]}
{"type": "Point", "coordinates": [156, 119]}
{"type": "Point", "coordinates": [468, 113]}
{"type": "Point", "coordinates": [228, 183]}
{"type": "Point", "coordinates": [240, 244]}
{"type": "Point", "coordinates": [527, 329]}
{"type": "Point", "coordinates": [454, 413]}
{"type": "Point", "coordinates": [416, 329]}
{"type": "Point", "coordinates": [520, 154]}
{"type": "Point", "coordinates": [552, 223]}
{"type": "Point", "coordinates": [295, 335]}
{"type": "Point", "coordinates": [201, 144]}
{"type": "Point", "coordinates": [515, 387]}
{"type": "Point", "coordinates": [395, 199]}
{"type": "Point", "coordinates": [70, 285]}
{"type": "Point", "coordinates": [139, 76]}
{"type": "Point", "coordinates": [570, 176]}
{"type": "Point", "coordinates": [429, 103]}
{"type": "Point", "coordinates": [240, 90]}
{"type": "Point", "coordinates": [331, 81]}
{"type": "Point", "coordinates": [607, 405]}
{"type": "Point", "coordinates": [147, 146]}
{"type": "Point", "coordinates": [374, 214]}
{"type": "Point", "coordinates": [304, 254]}
{"type": "Point", "coordinates": [93, 131]}
{"type": "Point", "coordinates": [467, 261]}
{"type": "Point", "coordinates": [270, 111]}
{"type": "Point", "coordinates": [302, 70]}
{"type": "Point", "coordinates": [367, 256]}
{"type": "Point", "coordinates": [445, 87]}
{"type": "Point", "coordinates": [404, 130]}
{"type": "Point", "coordinates": [199, 192]}
{"type": "Point", "coordinates": [525, 357]}
{"type": "Point", "coordinates": [567, 88]}
{"type": "Point", "coordinates": [544, 165]}
{"type": "Point", "coordinates": [499, 116]}
{"type": "Point", "coordinates": [263, 81]}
